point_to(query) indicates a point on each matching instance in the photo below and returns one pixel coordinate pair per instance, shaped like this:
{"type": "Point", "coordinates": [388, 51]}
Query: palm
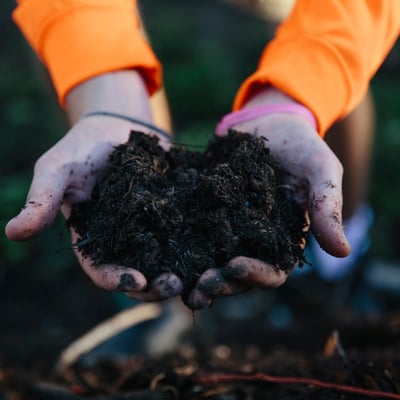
{"type": "Point", "coordinates": [316, 181]}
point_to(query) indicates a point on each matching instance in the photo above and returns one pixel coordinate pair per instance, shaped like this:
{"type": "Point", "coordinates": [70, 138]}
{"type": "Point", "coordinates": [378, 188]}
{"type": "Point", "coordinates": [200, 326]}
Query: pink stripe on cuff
{"type": "Point", "coordinates": [246, 114]}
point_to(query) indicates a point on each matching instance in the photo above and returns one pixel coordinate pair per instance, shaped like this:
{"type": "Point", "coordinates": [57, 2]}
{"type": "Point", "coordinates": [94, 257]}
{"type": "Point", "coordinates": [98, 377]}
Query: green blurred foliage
{"type": "Point", "coordinates": [385, 177]}
{"type": "Point", "coordinates": [207, 50]}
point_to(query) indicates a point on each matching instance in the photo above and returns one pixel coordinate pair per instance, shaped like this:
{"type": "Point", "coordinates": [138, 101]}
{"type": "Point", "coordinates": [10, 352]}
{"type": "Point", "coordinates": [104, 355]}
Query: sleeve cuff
{"type": "Point", "coordinates": [79, 39]}
{"type": "Point", "coordinates": [308, 71]}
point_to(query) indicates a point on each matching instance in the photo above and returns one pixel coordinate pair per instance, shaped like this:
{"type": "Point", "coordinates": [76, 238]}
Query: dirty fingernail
{"type": "Point", "coordinates": [199, 300]}
{"type": "Point", "coordinates": [235, 271]}
{"type": "Point", "coordinates": [127, 283]}
{"type": "Point", "coordinates": [169, 287]}
{"type": "Point", "coordinates": [213, 284]}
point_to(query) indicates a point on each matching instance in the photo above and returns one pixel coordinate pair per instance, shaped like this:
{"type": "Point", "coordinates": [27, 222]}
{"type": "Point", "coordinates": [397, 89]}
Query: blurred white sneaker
{"type": "Point", "coordinates": [356, 228]}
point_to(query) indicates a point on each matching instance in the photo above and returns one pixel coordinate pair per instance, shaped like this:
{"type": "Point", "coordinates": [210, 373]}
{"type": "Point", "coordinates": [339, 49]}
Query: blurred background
{"type": "Point", "coordinates": [208, 48]}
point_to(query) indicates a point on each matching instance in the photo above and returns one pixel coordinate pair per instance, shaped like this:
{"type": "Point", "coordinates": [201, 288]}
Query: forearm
{"type": "Point", "coordinates": [268, 95]}
{"type": "Point", "coordinates": [122, 92]}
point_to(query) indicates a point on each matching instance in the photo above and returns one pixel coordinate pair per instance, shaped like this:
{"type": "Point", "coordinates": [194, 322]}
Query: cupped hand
{"type": "Point", "coordinates": [317, 184]}
{"type": "Point", "coordinates": [65, 175]}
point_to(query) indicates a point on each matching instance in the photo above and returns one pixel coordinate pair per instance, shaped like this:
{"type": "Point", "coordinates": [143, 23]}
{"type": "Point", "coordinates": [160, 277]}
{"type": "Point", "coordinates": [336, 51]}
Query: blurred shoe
{"type": "Point", "coordinates": [331, 283]}
{"type": "Point", "coordinates": [383, 276]}
{"type": "Point", "coordinates": [356, 229]}
{"type": "Point", "coordinates": [150, 338]}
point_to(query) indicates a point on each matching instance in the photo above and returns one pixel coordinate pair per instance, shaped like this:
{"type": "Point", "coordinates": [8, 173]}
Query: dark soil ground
{"type": "Point", "coordinates": [185, 212]}
{"type": "Point", "coordinates": [219, 359]}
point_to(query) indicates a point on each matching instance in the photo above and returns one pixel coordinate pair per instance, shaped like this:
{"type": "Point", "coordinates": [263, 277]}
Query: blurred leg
{"type": "Point", "coordinates": [158, 102]}
{"type": "Point", "coordinates": [160, 109]}
{"type": "Point", "coordinates": [351, 140]}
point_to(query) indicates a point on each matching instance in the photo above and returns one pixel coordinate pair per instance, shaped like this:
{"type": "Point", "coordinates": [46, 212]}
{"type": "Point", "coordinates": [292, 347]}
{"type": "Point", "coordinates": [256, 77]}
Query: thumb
{"type": "Point", "coordinates": [43, 203]}
{"type": "Point", "coordinates": [325, 210]}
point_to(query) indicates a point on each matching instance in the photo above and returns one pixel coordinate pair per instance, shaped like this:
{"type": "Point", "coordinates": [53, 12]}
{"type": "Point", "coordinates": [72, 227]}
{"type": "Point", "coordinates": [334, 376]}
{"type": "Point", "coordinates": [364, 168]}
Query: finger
{"type": "Point", "coordinates": [213, 283]}
{"type": "Point", "coordinates": [164, 287]}
{"type": "Point", "coordinates": [110, 277]}
{"type": "Point", "coordinates": [43, 203]}
{"type": "Point", "coordinates": [255, 273]}
{"type": "Point", "coordinates": [201, 296]}
{"type": "Point", "coordinates": [115, 278]}
{"type": "Point", "coordinates": [325, 207]}
{"type": "Point", "coordinates": [239, 275]}
{"type": "Point", "coordinates": [198, 300]}
{"type": "Point", "coordinates": [217, 282]}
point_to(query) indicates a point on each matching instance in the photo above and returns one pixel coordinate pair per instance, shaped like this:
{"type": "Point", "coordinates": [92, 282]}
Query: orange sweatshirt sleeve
{"type": "Point", "coordinates": [79, 39]}
{"type": "Point", "coordinates": [325, 54]}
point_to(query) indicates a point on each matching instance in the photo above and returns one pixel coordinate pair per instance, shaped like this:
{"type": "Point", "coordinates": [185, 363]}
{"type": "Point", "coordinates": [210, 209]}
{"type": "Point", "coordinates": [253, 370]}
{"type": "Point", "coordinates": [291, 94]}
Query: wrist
{"type": "Point", "coordinates": [267, 102]}
{"type": "Point", "coordinates": [121, 92]}
{"type": "Point", "coordinates": [122, 117]}
{"type": "Point", "coordinates": [268, 95]}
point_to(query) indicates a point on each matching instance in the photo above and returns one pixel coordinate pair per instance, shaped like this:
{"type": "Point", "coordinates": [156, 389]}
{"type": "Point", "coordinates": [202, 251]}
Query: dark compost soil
{"type": "Point", "coordinates": [184, 212]}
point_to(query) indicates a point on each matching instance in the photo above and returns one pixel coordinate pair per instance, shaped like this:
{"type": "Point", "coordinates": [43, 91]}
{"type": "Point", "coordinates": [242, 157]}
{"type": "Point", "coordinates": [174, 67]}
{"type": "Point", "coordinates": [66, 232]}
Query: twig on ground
{"type": "Point", "coordinates": [261, 377]}
{"type": "Point", "coordinates": [333, 344]}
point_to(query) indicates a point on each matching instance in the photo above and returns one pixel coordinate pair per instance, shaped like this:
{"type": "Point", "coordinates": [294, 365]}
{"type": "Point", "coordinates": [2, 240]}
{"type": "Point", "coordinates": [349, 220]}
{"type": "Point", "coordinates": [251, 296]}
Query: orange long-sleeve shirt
{"type": "Point", "coordinates": [323, 55]}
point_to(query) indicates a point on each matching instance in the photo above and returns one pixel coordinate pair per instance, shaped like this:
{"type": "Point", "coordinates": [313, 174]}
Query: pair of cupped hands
{"type": "Point", "coordinates": [66, 173]}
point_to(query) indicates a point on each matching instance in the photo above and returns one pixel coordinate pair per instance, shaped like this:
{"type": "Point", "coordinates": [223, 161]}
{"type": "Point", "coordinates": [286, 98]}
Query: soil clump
{"type": "Point", "coordinates": [184, 212]}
